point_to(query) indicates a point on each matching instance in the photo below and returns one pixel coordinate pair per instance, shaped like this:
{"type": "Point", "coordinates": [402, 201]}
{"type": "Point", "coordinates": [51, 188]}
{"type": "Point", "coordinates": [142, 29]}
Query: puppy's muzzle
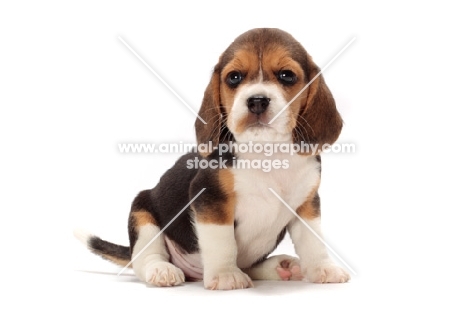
{"type": "Point", "coordinates": [258, 104]}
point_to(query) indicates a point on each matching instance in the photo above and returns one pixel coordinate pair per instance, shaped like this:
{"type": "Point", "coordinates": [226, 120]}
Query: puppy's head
{"type": "Point", "coordinates": [253, 94]}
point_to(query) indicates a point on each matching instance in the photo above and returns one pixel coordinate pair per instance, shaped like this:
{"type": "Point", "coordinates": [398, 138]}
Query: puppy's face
{"type": "Point", "coordinates": [254, 94]}
{"type": "Point", "coordinates": [256, 87]}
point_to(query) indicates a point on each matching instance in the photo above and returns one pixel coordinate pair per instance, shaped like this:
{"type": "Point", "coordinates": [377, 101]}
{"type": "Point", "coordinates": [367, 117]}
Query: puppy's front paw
{"type": "Point", "coordinates": [226, 279]}
{"type": "Point", "coordinates": [327, 273]}
{"type": "Point", "coordinates": [163, 274]}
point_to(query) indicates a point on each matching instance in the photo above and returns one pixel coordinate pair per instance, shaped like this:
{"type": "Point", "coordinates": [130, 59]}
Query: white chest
{"type": "Point", "coordinates": [260, 216]}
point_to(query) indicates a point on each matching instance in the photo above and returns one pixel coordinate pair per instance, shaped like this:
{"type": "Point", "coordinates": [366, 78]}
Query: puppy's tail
{"type": "Point", "coordinates": [117, 254]}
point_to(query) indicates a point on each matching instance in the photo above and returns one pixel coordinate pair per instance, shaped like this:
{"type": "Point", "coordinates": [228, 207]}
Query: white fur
{"type": "Point", "coordinates": [260, 70]}
{"type": "Point", "coordinates": [219, 252]}
{"type": "Point", "coordinates": [259, 214]}
{"type": "Point", "coordinates": [152, 264]}
{"type": "Point", "coordinates": [82, 235]}
{"type": "Point", "coordinates": [316, 265]}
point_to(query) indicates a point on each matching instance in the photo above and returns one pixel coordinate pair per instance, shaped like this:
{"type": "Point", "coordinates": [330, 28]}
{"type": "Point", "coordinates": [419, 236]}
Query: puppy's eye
{"type": "Point", "coordinates": [287, 77]}
{"type": "Point", "coordinates": [234, 78]}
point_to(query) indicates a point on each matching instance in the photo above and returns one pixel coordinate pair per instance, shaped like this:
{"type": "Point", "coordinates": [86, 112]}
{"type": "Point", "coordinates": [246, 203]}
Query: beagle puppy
{"type": "Point", "coordinates": [236, 218]}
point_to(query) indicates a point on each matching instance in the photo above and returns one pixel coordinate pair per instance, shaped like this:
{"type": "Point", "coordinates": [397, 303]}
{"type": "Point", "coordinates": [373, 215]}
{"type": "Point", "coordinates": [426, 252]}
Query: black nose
{"type": "Point", "coordinates": [258, 104]}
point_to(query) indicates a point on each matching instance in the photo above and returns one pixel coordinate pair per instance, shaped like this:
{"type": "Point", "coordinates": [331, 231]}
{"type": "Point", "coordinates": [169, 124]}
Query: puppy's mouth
{"type": "Point", "coordinates": [255, 122]}
{"type": "Point", "coordinates": [256, 128]}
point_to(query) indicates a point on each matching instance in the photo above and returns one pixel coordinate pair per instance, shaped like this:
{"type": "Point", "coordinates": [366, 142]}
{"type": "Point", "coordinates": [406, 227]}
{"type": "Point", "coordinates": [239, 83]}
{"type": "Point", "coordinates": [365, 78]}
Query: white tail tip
{"type": "Point", "coordinates": [82, 235]}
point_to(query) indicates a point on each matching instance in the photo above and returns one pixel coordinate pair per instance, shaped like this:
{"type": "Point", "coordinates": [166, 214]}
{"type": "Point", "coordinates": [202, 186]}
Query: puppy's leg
{"type": "Point", "coordinates": [277, 268]}
{"type": "Point", "coordinates": [214, 223]}
{"type": "Point", "coordinates": [150, 260]}
{"type": "Point", "coordinates": [316, 264]}
{"type": "Point", "coordinates": [219, 255]}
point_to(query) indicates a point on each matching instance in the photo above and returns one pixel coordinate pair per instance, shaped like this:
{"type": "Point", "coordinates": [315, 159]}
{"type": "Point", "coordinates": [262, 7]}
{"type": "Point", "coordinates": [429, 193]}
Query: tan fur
{"type": "Point", "coordinates": [221, 214]}
{"type": "Point", "coordinates": [142, 218]}
{"type": "Point", "coordinates": [319, 118]}
{"type": "Point", "coordinates": [310, 209]}
{"type": "Point", "coordinates": [115, 260]}
{"type": "Point", "coordinates": [211, 113]}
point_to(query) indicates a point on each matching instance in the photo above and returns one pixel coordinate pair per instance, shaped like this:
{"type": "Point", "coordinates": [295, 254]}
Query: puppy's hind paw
{"type": "Point", "coordinates": [289, 269]}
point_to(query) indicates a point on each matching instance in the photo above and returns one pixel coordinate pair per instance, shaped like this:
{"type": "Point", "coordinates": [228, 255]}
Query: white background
{"type": "Point", "coordinates": [70, 91]}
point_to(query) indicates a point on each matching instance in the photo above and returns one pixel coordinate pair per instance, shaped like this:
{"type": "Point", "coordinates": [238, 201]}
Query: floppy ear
{"type": "Point", "coordinates": [319, 121]}
{"type": "Point", "coordinates": [210, 112]}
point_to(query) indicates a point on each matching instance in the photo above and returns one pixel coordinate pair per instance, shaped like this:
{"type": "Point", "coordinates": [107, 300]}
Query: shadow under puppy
{"type": "Point", "coordinates": [225, 236]}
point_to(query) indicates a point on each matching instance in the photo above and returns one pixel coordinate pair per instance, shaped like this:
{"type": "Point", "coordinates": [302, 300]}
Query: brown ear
{"type": "Point", "coordinates": [319, 121]}
{"type": "Point", "coordinates": [210, 112]}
